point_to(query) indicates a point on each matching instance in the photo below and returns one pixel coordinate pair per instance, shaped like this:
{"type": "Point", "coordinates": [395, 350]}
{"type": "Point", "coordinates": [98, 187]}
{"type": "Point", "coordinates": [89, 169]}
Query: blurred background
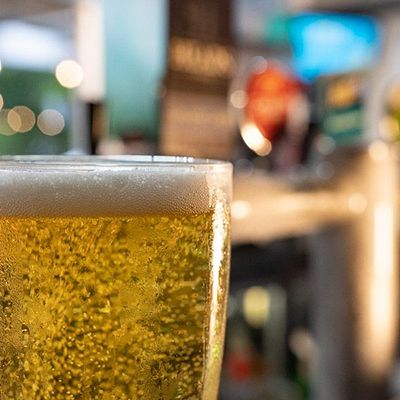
{"type": "Point", "coordinates": [303, 97]}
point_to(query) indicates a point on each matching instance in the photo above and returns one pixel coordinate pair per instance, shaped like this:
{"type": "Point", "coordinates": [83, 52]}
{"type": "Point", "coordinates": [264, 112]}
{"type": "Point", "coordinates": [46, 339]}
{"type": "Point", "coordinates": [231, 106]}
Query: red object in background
{"type": "Point", "coordinates": [270, 91]}
{"type": "Point", "coordinates": [239, 366]}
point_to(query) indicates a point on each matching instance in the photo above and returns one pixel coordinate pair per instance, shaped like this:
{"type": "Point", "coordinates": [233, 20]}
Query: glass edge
{"type": "Point", "coordinates": [47, 161]}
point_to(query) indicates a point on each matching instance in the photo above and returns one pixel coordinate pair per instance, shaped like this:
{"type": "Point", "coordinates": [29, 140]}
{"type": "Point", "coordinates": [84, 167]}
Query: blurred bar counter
{"type": "Point", "coordinates": [353, 225]}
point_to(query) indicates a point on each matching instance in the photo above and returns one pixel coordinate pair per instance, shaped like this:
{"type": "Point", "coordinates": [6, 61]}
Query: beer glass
{"type": "Point", "coordinates": [113, 277]}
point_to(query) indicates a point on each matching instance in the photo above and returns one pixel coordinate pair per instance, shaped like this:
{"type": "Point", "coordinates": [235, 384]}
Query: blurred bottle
{"type": "Point", "coordinates": [195, 120]}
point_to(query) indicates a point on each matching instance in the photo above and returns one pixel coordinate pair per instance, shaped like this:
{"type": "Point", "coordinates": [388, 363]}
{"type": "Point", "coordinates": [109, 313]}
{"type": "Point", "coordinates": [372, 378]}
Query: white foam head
{"type": "Point", "coordinates": [112, 186]}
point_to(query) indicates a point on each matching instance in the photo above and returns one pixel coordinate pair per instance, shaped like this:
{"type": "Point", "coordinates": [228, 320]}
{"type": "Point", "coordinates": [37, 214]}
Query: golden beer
{"type": "Point", "coordinates": [100, 301]}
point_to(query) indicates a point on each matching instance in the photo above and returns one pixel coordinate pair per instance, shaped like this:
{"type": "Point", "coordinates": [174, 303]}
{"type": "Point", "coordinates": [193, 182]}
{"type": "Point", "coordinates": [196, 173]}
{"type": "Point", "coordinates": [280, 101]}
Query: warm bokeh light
{"type": "Point", "coordinates": [5, 128]}
{"type": "Point", "coordinates": [240, 209]}
{"type": "Point", "coordinates": [255, 140]}
{"type": "Point", "coordinates": [69, 73]}
{"type": "Point", "coordinates": [239, 99]}
{"type": "Point", "coordinates": [383, 274]}
{"type": "Point", "coordinates": [256, 306]}
{"type": "Point", "coordinates": [50, 122]}
{"type": "Point", "coordinates": [1, 102]}
{"type": "Point", "coordinates": [14, 120]}
{"type": "Point", "coordinates": [303, 344]}
{"type": "Point", "coordinates": [23, 119]}
{"type": "Point", "coordinates": [378, 150]}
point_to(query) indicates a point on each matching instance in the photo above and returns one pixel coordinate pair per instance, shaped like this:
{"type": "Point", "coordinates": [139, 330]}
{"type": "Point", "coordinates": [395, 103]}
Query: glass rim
{"type": "Point", "coordinates": [48, 162]}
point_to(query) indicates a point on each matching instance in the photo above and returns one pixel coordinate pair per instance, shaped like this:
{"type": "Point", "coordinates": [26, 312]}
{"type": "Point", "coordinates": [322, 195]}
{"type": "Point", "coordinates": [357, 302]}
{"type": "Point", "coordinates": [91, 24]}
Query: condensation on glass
{"type": "Point", "coordinates": [113, 277]}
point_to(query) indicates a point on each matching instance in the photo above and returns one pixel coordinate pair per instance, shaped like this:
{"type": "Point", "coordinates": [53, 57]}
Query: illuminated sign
{"type": "Point", "coordinates": [340, 99]}
{"type": "Point", "coordinates": [200, 58]}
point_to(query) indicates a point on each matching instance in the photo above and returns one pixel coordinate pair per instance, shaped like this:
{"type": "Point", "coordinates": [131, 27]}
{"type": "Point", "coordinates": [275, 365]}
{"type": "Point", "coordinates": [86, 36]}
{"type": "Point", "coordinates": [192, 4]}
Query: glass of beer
{"type": "Point", "coordinates": [113, 277]}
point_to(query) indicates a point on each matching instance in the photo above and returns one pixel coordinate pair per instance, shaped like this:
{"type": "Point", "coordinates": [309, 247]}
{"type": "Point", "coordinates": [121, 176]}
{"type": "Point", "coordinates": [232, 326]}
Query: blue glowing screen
{"type": "Point", "coordinates": [332, 43]}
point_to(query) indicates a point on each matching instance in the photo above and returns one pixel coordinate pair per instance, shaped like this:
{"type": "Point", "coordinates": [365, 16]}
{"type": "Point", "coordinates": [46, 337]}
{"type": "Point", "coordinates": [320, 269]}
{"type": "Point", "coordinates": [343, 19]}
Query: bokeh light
{"type": "Point", "coordinates": [378, 150]}
{"type": "Point", "coordinates": [14, 120]}
{"type": "Point", "coordinates": [240, 209]}
{"type": "Point", "coordinates": [325, 170]}
{"type": "Point", "coordinates": [325, 145]}
{"type": "Point", "coordinates": [256, 306]}
{"type": "Point", "coordinates": [255, 140]}
{"type": "Point", "coordinates": [21, 119]}
{"type": "Point", "coordinates": [302, 344]}
{"type": "Point", "coordinates": [1, 102]}
{"type": "Point", "coordinates": [5, 128]}
{"type": "Point", "coordinates": [50, 122]}
{"type": "Point", "coordinates": [69, 73]}
{"type": "Point", "coordinates": [239, 99]}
